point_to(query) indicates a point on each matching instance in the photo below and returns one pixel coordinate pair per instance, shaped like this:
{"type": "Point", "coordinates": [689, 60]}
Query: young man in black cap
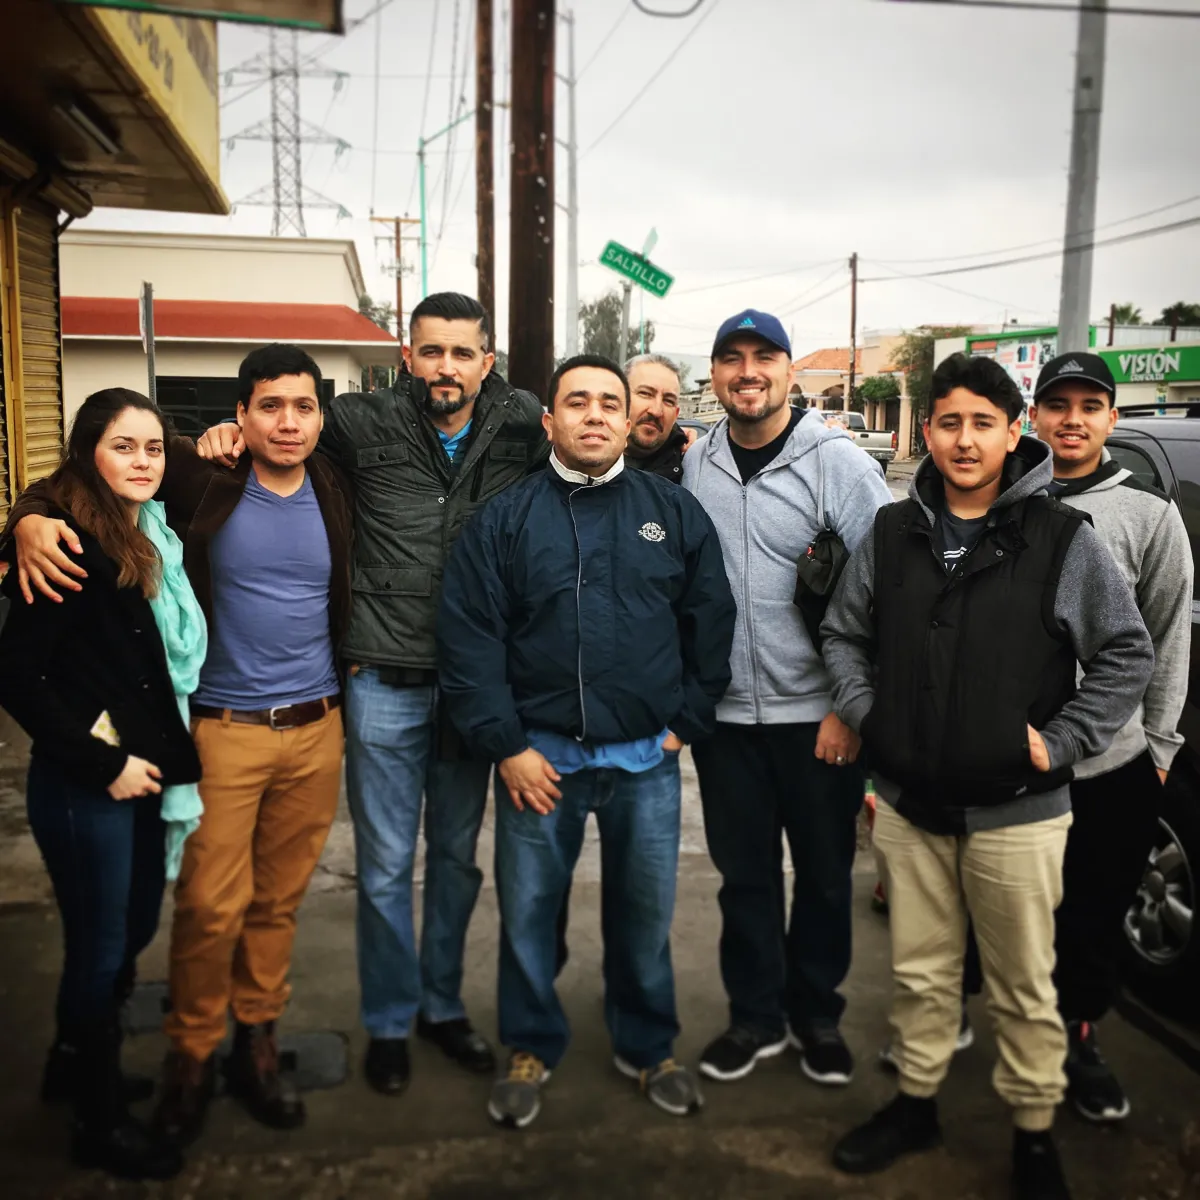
{"type": "Point", "coordinates": [1114, 794]}
{"type": "Point", "coordinates": [978, 596]}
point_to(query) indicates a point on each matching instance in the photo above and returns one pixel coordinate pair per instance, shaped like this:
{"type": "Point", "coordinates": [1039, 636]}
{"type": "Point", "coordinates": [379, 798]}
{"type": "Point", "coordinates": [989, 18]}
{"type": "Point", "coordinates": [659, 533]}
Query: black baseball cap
{"type": "Point", "coordinates": [1083, 368]}
{"type": "Point", "coordinates": [751, 321]}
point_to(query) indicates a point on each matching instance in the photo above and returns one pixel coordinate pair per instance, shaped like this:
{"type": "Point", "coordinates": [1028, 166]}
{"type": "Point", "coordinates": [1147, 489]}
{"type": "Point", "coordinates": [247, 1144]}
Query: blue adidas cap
{"type": "Point", "coordinates": [752, 321]}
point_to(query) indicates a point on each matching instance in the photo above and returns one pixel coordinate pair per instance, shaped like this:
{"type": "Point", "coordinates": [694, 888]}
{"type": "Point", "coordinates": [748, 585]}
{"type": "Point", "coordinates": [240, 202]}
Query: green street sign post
{"type": "Point", "coordinates": [638, 269]}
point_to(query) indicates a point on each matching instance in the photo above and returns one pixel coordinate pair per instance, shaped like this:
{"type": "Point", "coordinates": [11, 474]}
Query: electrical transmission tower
{"type": "Point", "coordinates": [288, 133]}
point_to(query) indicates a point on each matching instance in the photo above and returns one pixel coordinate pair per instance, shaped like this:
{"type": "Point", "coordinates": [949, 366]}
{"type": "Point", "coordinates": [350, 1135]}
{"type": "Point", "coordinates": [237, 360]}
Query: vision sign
{"type": "Point", "coordinates": [1164, 364]}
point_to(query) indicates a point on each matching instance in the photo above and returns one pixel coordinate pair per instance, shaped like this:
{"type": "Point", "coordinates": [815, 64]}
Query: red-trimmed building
{"type": "Point", "coordinates": [215, 299]}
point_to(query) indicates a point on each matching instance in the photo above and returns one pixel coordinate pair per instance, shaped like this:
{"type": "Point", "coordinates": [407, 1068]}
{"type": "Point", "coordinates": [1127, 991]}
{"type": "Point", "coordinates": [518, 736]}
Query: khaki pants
{"type": "Point", "coordinates": [1010, 881]}
{"type": "Point", "coordinates": [269, 800]}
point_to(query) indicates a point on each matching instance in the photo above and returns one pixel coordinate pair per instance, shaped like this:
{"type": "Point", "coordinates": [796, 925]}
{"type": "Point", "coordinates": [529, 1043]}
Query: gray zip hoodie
{"type": "Point", "coordinates": [1146, 536]}
{"type": "Point", "coordinates": [1093, 604]}
{"type": "Point", "coordinates": [764, 527]}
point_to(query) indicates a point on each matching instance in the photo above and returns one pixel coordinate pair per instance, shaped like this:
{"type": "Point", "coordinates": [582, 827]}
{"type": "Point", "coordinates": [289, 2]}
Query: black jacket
{"type": "Point", "coordinates": [665, 462]}
{"type": "Point", "coordinates": [411, 504]}
{"type": "Point", "coordinates": [62, 665]}
{"type": "Point", "coordinates": [601, 612]}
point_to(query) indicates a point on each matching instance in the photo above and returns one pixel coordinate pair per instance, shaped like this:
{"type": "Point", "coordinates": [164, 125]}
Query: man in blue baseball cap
{"type": "Point", "coordinates": [770, 476]}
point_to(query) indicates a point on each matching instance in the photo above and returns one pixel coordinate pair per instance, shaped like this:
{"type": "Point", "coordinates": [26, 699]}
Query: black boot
{"type": "Point", "coordinates": [905, 1126]}
{"type": "Point", "coordinates": [105, 1136]}
{"type": "Point", "coordinates": [253, 1075]}
{"type": "Point", "coordinates": [60, 1077]}
{"type": "Point", "coordinates": [1037, 1173]}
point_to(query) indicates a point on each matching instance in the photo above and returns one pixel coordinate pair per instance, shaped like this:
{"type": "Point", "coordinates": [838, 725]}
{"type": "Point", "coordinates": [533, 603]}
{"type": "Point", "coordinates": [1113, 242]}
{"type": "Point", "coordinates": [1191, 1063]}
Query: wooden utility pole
{"type": "Point", "coordinates": [531, 224]}
{"type": "Point", "coordinates": [853, 325]}
{"type": "Point", "coordinates": [397, 224]}
{"type": "Point", "coordinates": [485, 205]}
{"type": "Point", "coordinates": [1112, 322]}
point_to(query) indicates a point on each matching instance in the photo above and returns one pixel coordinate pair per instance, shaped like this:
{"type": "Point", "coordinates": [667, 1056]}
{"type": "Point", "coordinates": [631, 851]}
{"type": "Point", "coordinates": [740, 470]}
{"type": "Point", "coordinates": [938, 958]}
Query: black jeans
{"type": "Point", "coordinates": [758, 782]}
{"type": "Point", "coordinates": [106, 860]}
{"type": "Point", "coordinates": [1114, 827]}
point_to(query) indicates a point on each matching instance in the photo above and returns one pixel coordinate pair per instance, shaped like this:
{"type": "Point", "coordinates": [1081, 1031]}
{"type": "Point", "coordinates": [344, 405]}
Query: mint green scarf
{"type": "Point", "coordinates": [185, 638]}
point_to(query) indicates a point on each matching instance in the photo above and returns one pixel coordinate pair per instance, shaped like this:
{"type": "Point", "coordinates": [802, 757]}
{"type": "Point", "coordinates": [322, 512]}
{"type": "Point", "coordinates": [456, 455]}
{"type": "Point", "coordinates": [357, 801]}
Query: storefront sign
{"type": "Point", "coordinates": [175, 60]}
{"type": "Point", "coordinates": [1169, 364]}
{"type": "Point", "coordinates": [321, 15]}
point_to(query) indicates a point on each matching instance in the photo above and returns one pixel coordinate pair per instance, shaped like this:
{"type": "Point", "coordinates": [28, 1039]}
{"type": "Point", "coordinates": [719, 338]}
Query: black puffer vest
{"type": "Point", "coordinates": [967, 661]}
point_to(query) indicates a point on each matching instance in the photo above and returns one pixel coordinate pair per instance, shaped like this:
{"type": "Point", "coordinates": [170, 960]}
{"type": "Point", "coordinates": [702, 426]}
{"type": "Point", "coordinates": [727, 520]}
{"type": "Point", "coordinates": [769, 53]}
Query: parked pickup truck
{"type": "Point", "coordinates": [1162, 940]}
{"type": "Point", "coordinates": [880, 444]}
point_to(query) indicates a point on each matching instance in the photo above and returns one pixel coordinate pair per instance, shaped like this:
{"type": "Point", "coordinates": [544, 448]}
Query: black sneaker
{"type": "Point", "coordinates": [1037, 1173]}
{"type": "Point", "coordinates": [459, 1042]}
{"type": "Point", "coordinates": [1091, 1086]}
{"type": "Point", "coordinates": [907, 1125]}
{"type": "Point", "coordinates": [736, 1052]}
{"type": "Point", "coordinates": [824, 1056]}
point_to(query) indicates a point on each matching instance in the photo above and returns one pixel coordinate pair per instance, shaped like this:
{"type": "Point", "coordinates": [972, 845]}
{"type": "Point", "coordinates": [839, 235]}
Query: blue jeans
{"type": "Point", "coordinates": [638, 818]}
{"type": "Point", "coordinates": [107, 861]}
{"type": "Point", "coordinates": [390, 764]}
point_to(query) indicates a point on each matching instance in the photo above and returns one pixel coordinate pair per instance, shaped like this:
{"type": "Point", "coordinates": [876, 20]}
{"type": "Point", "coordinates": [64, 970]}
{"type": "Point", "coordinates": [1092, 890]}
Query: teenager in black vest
{"type": "Point", "coordinates": [953, 642]}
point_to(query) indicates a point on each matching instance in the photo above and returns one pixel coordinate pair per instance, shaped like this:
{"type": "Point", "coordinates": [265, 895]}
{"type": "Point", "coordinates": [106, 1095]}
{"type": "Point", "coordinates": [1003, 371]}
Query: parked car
{"type": "Point", "coordinates": [1162, 941]}
{"type": "Point", "coordinates": [880, 444]}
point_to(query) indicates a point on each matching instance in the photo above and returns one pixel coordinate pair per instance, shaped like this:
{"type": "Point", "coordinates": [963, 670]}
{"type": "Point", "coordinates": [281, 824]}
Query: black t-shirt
{"type": "Point", "coordinates": [958, 536]}
{"type": "Point", "coordinates": [750, 462]}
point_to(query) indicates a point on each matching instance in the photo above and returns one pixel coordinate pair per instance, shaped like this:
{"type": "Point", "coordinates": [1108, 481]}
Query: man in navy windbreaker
{"type": "Point", "coordinates": [584, 636]}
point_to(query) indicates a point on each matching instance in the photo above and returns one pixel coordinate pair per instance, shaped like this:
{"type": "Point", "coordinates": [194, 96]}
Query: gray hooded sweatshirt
{"type": "Point", "coordinates": [1093, 605]}
{"type": "Point", "coordinates": [1145, 533]}
{"type": "Point", "coordinates": [764, 527]}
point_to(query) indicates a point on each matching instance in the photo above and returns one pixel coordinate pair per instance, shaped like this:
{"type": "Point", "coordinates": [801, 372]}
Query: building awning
{"type": "Point", "coordinates": [112, 317]}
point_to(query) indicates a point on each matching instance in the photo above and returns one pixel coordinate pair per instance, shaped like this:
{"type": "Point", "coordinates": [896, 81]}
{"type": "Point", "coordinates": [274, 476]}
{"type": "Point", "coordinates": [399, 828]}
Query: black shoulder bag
{"type": "Point", "coordinates": [819, 567]}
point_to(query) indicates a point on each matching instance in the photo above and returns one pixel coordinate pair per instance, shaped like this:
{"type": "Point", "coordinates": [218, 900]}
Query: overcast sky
{"type": "Point", "coordinates": [779, 137]}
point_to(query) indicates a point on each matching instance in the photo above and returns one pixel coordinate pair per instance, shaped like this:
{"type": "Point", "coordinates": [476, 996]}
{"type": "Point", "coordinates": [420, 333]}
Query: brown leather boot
{"type": "Point", "coordinates": [252, 1074]}
{"type": "Point", "coordinates": [188, 1086]}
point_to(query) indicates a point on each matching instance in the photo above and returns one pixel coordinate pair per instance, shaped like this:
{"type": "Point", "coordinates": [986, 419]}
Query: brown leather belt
{"type": "Point", "coordinates": [282, 716]}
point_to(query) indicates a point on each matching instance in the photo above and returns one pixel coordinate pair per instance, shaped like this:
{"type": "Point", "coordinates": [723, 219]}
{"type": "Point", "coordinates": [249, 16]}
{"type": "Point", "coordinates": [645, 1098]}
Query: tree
{"type": "Point", "coordinates": [879, 388]}
{"type": "Point", "coordinates": [382, 313]}
{"type": "Point", "coordinates": [500, 366]}
{"type": "Point", "coordinates": [1126, 314]}
{"type": "Point", "coordinates": [600, 327]}
{"type": "Point", "coordinates": [1181, 313]}
{"type": "Point", "coordinates": [914, 356]}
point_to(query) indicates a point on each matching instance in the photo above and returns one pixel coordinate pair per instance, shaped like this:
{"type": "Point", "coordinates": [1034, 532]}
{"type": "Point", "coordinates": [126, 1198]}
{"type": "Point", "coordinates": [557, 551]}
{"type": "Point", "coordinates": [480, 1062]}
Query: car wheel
{"type": "Point", "coordinates": [1163, 942]}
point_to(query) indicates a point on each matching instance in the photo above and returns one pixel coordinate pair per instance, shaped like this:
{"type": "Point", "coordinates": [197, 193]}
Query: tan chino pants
{"type": "Point", "coordinates": [269, 799]}
{"type": "Point", "coordinates": [1010, 882]}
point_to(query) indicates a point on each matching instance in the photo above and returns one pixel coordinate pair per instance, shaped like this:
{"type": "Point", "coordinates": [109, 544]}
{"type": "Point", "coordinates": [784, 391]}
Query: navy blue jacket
{"type": "Point", "coordinates": [601, 612]}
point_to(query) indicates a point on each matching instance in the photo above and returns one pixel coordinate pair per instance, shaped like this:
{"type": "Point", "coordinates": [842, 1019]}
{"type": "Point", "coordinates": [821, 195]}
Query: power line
{"type": "Point", "coordinates": [959, 291]}
{"type": "Point", "coordinates": [710, 287]}
{"type": "Point", "coordinates": [425, 100]}
{"type": "Point", "coordinates": [658, 74]}
{"type": "Point", "coordinates": [791, 312]}
{"type": "Point", "coordinates": [1028, 258]}
{"type": "Point", "coordinates": [808, 291]}
{"type": "Point", "coordinates": [652, 12]}
{"type": "Point", "coordinates": [1085, 6]}
{"type": "Point", "coordinates": [604, 41]}
{"type": "Point", "coordinates": [1153, 212]}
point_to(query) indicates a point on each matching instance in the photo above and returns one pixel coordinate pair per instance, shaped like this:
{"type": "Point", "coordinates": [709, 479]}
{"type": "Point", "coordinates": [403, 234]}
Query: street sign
{"type": "Point", "coordinates": [637, 268]}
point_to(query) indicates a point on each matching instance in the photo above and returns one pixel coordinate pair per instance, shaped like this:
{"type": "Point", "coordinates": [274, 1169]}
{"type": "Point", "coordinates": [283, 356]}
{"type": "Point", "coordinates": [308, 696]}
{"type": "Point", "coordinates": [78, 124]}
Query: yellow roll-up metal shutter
{"type": "Point", "coordinates": [40, 359]}
{"type": "Point", "coordinates": [5, 474]}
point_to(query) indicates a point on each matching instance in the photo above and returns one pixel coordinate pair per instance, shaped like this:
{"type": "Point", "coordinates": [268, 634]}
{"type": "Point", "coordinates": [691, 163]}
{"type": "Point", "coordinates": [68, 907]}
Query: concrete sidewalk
{"type": "Point", "coordinates": [768, 1136]}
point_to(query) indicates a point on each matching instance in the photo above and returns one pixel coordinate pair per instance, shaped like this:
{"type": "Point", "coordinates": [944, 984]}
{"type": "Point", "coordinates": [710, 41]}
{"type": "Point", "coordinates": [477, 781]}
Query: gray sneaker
{"type": "Point", "coordinates": [673, 1088]}
{"type": "Point", "coordinates": [964, 1041]}
{"type": "Point", "coordinates": [517, 1096]}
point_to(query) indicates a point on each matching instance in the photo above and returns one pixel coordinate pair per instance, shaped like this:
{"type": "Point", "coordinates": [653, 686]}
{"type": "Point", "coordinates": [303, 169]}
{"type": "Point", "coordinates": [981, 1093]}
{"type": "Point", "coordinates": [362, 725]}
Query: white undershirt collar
{"type": "Point", "coordinates": [569, 476]}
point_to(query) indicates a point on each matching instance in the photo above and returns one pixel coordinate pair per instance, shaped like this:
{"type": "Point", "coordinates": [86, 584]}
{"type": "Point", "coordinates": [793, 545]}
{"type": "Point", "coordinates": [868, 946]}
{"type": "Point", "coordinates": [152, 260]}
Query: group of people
{"type": "Point", "coordinates": [445, 577]}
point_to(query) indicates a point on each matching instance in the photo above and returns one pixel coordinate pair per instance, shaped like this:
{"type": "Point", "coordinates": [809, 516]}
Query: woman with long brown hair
{"type": "Point", "coordinates": [99, 680]}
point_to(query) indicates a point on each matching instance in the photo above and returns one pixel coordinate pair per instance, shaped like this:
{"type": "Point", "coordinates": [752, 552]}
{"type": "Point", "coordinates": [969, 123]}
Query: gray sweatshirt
{"type": "Point", "coordinates": [1093, 605]}
{"type": "Point", "coordinates": [1145, 533]}
{"type": "Point", "coordinates": [764, 527]}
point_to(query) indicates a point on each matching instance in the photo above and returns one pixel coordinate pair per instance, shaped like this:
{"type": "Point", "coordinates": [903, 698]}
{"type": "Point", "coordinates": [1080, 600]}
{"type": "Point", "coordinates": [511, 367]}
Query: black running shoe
{"type": "Point", "coordinates": [1091, 1086]}
{"type": "Point", "coordinates": [737, 1051]}
{"type": "Point", "coordinates": [907, 1125]}
{"type": "Point", "coordinates": [824, 1056]}
{"type": "Point", "coordinates": [1037, 1172]}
